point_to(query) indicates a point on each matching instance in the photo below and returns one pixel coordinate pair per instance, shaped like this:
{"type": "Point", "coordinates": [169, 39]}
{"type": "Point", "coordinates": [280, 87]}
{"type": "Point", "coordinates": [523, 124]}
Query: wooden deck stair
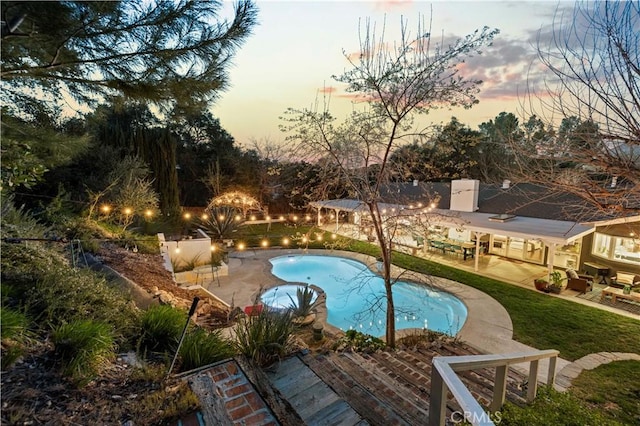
{"type": "Point", "coordinates": [392, 387]}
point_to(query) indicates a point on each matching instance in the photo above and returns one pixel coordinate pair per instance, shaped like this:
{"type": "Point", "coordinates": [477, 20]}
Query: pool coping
{"type": "Point", "coordinates": [488, 326]}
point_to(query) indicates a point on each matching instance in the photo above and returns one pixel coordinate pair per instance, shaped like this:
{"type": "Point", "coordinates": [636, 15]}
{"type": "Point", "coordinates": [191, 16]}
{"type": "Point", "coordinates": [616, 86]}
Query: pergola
{"type": "Point", "coordinates": [236, 199]}
{"type": "Point", "coordinates": [550, 232]}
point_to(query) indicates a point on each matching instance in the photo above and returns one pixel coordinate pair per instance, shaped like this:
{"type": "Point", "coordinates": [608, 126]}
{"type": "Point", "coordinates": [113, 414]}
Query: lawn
{"type": "Point", "coordinates": [618, 381]}
{"type": "Point", "coordinates": [539, 321]}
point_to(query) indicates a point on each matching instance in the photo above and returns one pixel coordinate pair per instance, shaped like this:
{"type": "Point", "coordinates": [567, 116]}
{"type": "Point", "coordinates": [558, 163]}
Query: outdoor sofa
{"type": "Point", "coordinates": [621, 279]}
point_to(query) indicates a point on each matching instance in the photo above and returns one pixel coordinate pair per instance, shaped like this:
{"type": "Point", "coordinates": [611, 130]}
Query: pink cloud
{"type": "Point", "coordinates": [388, 5]}
{"type": "Point", "coordinates": [327, 90]}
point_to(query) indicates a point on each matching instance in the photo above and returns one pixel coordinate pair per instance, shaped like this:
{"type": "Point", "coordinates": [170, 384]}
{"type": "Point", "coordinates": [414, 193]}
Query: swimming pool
{"type": "Point", "coordinates": [352, 289]}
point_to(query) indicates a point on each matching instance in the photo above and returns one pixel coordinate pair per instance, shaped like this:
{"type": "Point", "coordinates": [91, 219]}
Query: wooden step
{"type": "Point", "coordinates": [375, 412]}
{"type": "Point", "coordinates": [311, 397]}
{"type": "Point", "coordinates": [387, 391]}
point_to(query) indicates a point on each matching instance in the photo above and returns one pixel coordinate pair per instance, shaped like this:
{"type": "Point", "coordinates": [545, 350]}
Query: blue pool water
{"type": "Point", "coordinates": [355, 296]}
{"type": "Point", "coordinates": [284, 296]}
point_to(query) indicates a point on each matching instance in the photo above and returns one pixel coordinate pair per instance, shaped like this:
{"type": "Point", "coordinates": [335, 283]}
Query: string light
{"type": "Point", "coordinates": [127, 211]}
{"type": "Point", "coordinates": [187, 216]}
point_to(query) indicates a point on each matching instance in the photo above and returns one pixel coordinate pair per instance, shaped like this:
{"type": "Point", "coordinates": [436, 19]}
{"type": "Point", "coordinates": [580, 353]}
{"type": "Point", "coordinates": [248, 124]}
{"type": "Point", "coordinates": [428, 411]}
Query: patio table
{"type": "Point", "coordinates": [618, 293]}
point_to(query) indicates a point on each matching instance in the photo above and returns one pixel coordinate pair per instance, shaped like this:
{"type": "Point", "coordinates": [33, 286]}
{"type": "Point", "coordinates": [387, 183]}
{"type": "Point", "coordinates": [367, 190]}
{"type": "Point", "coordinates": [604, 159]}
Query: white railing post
{"type": "Point", "coordinates": [438, 403]}
{"type": "Point", "coordinates": [444, 380]}
{"type": "Point", "coordinates": [499, 388]}
{"type": "Point", "coordinates": [533, 380]}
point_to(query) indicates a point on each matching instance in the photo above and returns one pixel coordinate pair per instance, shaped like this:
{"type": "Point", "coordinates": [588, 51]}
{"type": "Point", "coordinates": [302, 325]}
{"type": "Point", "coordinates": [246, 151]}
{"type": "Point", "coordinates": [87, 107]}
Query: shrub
{"type": "Point", "coordinates": [53, 293]}
{"type": "Point", "coordinates": [265, 337]}
{"type": "Point", "coordinates": [362, 342]}
{"type": "Point", "coordinates": [14, 335]}
{"type": "Point", "coordinates": [84, 349]}
{"type": "Point", "coordinates": [304, 304]}
{"type": "Point", "coordinates": [201, 347]}
{"type": "Point", "coordinates": [165, 406]}
{"type": "Point", "coordinates": [552, 408]}
{"type": "Point", "coordinates": [15, 222]}
{"type": "Point", "coordinates": [13, 324]}
{"type": "Point", "coordinates": [161, 328]}
{"type": "Point", "coordinates": [187, 265]}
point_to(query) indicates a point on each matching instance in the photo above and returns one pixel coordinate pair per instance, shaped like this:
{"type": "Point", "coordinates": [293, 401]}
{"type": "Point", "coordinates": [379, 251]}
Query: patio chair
{"type": "Point", "coordinates": [438, 245]}
{"type": "Point", "coordinates": [578, 282]}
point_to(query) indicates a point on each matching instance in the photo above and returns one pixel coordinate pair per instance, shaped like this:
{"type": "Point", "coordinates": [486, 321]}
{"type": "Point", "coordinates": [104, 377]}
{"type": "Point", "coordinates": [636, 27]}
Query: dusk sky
{"type": "Point", "coordinates": [299, 45]}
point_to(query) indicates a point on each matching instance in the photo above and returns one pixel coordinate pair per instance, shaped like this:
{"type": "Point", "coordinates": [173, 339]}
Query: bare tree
{"type": "Point", "coordinates": [593, 86]}
{"type": "Point", "coordinates": [395, 83]}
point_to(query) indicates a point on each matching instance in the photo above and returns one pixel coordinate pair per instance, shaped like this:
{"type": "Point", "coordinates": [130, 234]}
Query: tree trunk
{"type": "Point", "coordinates": [385, 254]}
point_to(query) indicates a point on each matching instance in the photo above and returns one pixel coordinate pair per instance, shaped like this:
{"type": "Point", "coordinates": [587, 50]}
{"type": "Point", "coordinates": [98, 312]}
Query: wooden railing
{"type": "Point", "coordinates": [444, 378]}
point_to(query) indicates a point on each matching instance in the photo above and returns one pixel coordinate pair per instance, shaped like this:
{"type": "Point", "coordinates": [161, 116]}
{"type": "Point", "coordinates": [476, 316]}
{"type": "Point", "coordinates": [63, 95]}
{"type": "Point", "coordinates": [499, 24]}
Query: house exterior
{"type": "Point", "coordinates": [520, 222]}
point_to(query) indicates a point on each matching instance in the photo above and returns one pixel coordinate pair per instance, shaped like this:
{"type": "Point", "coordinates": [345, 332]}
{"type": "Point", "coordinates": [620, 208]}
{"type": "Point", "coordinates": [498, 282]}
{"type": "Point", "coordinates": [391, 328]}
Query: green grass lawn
{"type": "Point", "coordinates": [539, 320]}
{"type": "Point", "coordinates": [542, 321]}
{"type": "Point", "coordinates": [617, 381]}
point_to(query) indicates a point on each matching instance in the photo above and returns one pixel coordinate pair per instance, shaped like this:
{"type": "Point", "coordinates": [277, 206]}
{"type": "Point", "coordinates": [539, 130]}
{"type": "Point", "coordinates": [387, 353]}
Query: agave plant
{"type": "Point", "coordinates": [304, 303]}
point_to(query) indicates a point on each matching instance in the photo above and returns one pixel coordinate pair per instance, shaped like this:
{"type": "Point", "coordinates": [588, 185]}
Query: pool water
{"type": "Point", "coordinates": [356, 296]}
{"type": "Point", "coordinates": [284, 296]}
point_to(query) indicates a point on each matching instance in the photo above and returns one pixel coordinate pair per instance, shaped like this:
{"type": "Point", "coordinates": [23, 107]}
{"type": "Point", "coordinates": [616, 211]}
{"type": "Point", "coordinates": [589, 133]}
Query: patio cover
{"type": "Point", "coordinates": [549, 231]}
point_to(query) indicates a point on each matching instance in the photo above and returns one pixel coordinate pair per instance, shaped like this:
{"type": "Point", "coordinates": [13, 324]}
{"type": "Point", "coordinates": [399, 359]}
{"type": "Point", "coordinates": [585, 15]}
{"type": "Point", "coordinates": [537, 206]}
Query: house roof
{"type": "Point", "coordinates": [549, 230]}
{"type": "Point", "coordinates": [350, 205]}
{"type": "Point", "coordinates": [521, 199]}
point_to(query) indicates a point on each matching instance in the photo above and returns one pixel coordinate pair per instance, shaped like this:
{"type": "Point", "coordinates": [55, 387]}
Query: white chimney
{"type": "Point", "coordinates": [614, 181]}
{"type": "Point", "coordinates": [506, 183]}
{"type": "Point", "coordinates": [415, 182]}
{"type": "Point", "coordinates": [464, 195]}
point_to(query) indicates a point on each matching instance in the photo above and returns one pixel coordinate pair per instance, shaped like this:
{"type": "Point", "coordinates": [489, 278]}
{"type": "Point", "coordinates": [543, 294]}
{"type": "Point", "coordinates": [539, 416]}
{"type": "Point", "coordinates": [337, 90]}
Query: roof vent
{"type": "Point", "coordinates": [506, 184]}
{"type": "Point", "coordinates": [415, 182]}
{"type": "Point", "coordinates": [502, 217]}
